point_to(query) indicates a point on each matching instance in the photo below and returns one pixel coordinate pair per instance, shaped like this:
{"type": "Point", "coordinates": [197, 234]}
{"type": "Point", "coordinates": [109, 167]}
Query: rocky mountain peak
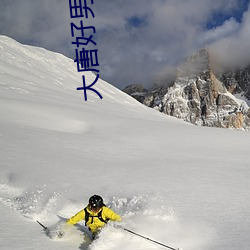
{"type": "Point", "coordinates": [202, 97]}
{"type": "Point", "coordinates": [196, 64]}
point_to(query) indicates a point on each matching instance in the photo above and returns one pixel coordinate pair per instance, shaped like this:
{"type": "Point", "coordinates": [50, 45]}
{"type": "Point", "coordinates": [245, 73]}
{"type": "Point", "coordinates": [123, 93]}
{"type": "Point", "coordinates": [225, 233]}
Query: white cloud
{"type": "Point", "coordinates": [233, 50]}
{"type": "Point", "coordinates": [170, 31]}
{"type": "Point", "coordinates": [228, 28]}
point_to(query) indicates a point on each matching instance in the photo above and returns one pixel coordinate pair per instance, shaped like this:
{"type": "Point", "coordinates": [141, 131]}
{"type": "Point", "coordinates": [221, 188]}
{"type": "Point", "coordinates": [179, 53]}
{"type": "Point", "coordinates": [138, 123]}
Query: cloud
{"type": "Point", "coordinates": [169, 31]}
{"type": "Point", "coordinates": [42, 23]}
{"type": "Point", "coordinates": [228, 28]}
{"type": "Point", "coordinates": [138, 41]}
{"type": "Point", "coordinates": [233, 49]}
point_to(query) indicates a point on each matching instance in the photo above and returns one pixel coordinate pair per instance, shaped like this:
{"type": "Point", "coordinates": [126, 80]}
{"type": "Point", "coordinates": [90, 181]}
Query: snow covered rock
{"type": "Point", "coordinates": [199, 97]}
{"type": "Point", "coordinates": [237, 81]}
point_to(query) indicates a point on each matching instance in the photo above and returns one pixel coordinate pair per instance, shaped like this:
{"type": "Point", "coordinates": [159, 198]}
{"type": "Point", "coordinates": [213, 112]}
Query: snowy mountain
{"type": "Point", "coordinates": [182, 185]}
{"type": "Point", "coordinates": [201, 96]}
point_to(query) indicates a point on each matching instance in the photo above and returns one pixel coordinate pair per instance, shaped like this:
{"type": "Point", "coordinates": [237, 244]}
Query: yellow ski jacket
{"type": "Point", "coordinates": [94, 223]}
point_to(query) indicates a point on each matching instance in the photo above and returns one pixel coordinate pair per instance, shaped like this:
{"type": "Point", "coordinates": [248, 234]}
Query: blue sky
{"type": "Point", "coordinates": [138, 41]}
{"type": "Point", "coordinates": [218, 17]}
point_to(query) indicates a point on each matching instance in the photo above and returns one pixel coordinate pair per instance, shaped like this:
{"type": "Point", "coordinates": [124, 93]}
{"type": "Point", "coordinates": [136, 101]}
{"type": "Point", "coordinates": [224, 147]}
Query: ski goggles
{"type": "Point", "coordinates": [94, 208]}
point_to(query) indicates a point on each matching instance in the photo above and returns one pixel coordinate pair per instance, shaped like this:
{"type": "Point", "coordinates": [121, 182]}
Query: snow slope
{"type": "Point", "coordinates": [176, 183]}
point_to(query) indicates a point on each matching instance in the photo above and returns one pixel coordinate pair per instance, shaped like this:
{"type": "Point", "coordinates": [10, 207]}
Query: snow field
{"type": "Point", "coordinates": [181, 185]}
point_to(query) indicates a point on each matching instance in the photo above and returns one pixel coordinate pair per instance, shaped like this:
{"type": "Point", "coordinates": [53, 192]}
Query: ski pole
{"type": "Point", "coordinates": [146, 238]}
{"type": "Point", "coordinates": [45, 228]}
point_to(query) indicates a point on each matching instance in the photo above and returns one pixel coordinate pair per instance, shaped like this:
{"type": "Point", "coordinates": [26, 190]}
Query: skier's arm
{"type": "Point", "coordinates": [110, 214]}
{"type": "Point", "coordinates": [77, 217]}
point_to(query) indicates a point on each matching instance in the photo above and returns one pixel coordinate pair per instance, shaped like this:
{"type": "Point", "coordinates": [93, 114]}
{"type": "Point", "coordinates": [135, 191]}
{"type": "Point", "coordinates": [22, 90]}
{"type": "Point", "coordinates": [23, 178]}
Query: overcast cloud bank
{"type": "Point", "coordinates": [138, 41]}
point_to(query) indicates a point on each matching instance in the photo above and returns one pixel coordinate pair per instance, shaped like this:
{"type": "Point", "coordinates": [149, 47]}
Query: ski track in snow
{"type": "Point", "coordinates": [42, 116]}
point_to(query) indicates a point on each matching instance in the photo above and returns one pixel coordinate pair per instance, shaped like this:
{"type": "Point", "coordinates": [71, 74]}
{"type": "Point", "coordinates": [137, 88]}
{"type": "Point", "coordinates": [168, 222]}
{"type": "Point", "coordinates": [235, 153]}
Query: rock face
{"type": "Point", "coordinates": [201, 97]}
{"type": "Point", "coordinates": [237, 81]}
{"type": "Point", "coordinates": [137, 91]}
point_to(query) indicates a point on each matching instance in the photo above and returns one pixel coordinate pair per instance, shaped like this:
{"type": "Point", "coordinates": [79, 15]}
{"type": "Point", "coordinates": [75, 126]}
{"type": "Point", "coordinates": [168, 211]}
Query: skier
{"type": "Point", "coordinates": [95, 214]}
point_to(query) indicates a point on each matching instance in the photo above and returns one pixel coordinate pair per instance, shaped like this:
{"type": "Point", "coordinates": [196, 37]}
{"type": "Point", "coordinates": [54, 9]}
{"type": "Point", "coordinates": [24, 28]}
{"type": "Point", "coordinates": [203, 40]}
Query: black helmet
{"type": "Point", "coordinates": [96, 202]}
